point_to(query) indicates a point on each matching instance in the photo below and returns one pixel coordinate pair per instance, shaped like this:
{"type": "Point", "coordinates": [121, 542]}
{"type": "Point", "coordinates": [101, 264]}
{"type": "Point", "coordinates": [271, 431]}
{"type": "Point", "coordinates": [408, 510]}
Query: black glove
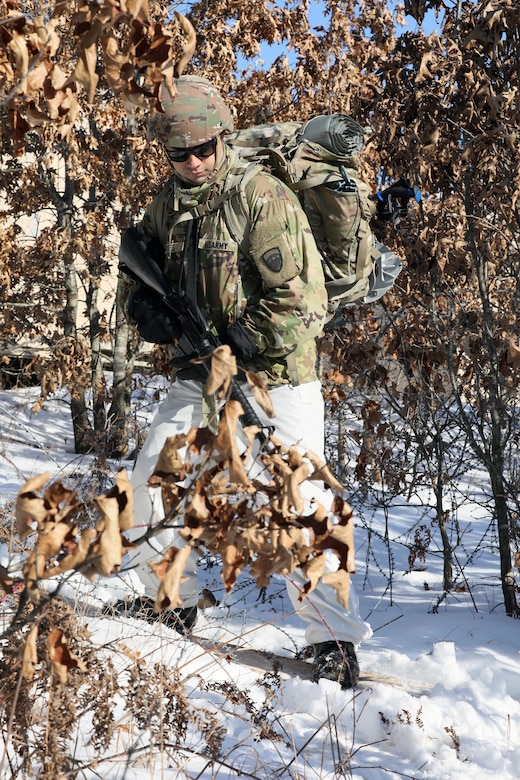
{"type": "Point", "coordinates": [392, 203]}
{"type": "Point", "coordinates": [155, 321]}
{"type": "Point", "coordinates": [241, 342]}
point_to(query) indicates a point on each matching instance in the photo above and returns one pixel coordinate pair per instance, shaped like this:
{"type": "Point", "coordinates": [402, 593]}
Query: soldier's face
{"type": "Point", "coordinates": [199, 162]}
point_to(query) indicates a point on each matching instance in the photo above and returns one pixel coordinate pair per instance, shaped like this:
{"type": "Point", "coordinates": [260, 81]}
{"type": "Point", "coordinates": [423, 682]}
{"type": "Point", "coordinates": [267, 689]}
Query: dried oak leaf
{"type": "Point", "coordinates": [30, 508]}
{"type": "Point", "coordinates": [323, 472]}
{"type": "Point", "coordinates": [279, 561]}
{"type": "Point", "coordinates": [341, 540]}
{"type": "Point", "coordinates": [292, 538]}
{"type": "Point", "coordinates": [76, 557]}
{"type": "Point", "coordinates": [280, 471]}
{"type": "Point", "coordinates": [171, 461]}
{"type": "Point", "coordinates": [197, 511]}
{"type": "Point", "coordinates": [170, 492]}
{"type": "Point", "coordinates": [299, 473]}
{"type": "Point", "coordinates": [513, 352]}
{"type": "Point", "coordinates": [318, 524]}
{"type": "Point", "coordinates": [62, 658]}
{"type": "Point", "coordinates": [169, 572]}
{"type": "Point", "coordinates": [292, 472]}
{"type": "Point", "coordinates": [340, 581]}
{"type": "Point", "coordinates": [54, 538]}
{"type": "Point", "coordinates": [62, 501]}
{"type": "Point", "coordinates": [123, 494]}
{"type": "Point", "coordinates": [261, 393]}
{"type": "Point", "coordinates": [18, 46]}
{"type": "Point", "coordinates": [249, 432]}
{"type": "Point", "coordinates": [226, 442]}
{"type": "Point", "coordinates": [341, 535]}
{"type": "Point", "coordinates": [51, 539]}
{"type": "Point", "coordinates": [223, 369]}
{"type": "Point", "coordinates": [57, 493]}
{"type": "Point", "coordinates": [232, 564]}
{"type": "Point", "coordinates": [200, 439]}
{"type": "Point", "coordinates": [343, 511]}
{"type": "Point", "coordinates": [189, 47]}
{"type": "Point", "coordinates": [424, 73]}
{"type": "Point", "coordinates": [6, 581]}
{"type": "Point", "coordinates": [85, 70]}
{"type": "Point", "coordinates": [313, 569]}
{"type": "Point", "coordinates": [115, 61]}
{"type": "Point", "coordinates": [108, 550]}
{"type": "Point", "coordinates": [30, 654]}
{"type": "Point", "coordinates": [138, 8]}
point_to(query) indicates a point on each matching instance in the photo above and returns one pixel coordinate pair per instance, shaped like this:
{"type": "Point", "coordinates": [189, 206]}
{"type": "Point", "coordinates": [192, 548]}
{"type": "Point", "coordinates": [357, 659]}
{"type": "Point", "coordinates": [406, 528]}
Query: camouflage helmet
{"type": "Point", "coordinates": [196, 114]}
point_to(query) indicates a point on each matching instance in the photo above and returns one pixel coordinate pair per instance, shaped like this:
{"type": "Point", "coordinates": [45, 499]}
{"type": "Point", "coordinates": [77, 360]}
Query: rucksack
{"type": "Point", "coordinates": [317, 160]}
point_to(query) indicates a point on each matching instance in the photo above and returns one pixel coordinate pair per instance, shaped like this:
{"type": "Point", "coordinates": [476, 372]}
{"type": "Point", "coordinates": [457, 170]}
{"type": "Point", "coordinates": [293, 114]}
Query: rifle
{"type": "Point", "coordinates": [135, 261]}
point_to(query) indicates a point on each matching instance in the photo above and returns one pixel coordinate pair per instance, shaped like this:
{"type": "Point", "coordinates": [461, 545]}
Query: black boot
{"type": "Point", "coordinates": [181, 619]}
{"type": "Point", "coordinates": [336, 661]}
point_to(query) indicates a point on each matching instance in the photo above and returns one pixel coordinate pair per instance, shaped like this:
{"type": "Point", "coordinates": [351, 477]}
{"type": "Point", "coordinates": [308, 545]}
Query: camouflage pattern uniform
{"type": "Point", "coordinates": [273, 282]}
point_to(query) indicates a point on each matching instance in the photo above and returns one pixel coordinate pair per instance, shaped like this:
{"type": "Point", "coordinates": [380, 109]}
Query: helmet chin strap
{"type": "Point", "coordinates": [220, 153]}
{"type": "Point", "coordinates": [221, 160]}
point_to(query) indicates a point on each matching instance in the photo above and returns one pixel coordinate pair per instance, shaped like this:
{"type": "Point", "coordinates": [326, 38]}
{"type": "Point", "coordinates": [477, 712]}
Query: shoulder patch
{"type": "Point", "coordinates": [274, 249]}
{"type": "Point", "coordinates": [273, 259]}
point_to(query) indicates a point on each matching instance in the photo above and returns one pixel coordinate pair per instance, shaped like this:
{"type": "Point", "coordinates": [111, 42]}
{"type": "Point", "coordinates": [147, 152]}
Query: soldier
{"type": "Point", "coordinates": [266, 297]}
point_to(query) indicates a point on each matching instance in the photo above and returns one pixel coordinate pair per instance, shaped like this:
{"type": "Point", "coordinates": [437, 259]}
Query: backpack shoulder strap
{"type": "Point", "coordinates": [235, 205]}
{"type": "Point", "coordinates": [233, 200]}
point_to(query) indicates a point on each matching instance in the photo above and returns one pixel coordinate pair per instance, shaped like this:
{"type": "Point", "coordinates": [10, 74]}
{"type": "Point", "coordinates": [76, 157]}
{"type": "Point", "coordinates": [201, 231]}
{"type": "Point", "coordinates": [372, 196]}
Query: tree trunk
{"type": "Point", "coordinates": [504, 545]}
{"type": "Point", "coordinates": [342, 438]}
{"type": "Point", "coordinates": [447, 554]}
{"type": "Point", "coordinates": [98, 379]}
{"type": "Point", "coordinates": [118, 414]}
{"type": "Point", "coordinates": [64, 204]}
{"type": "Point", "coordinates": [78, 406]}
{"type": "Point", "coordinates": [439, 487]}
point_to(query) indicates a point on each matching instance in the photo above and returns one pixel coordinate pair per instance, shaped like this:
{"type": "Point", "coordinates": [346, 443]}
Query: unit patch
{"type": "Point", "coordinates": [273, 259]}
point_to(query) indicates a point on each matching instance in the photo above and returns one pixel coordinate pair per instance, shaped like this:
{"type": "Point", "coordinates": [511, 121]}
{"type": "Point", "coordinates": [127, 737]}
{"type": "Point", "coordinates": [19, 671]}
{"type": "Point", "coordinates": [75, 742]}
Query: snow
{"type": "Point", "coordinates": [456, 713]}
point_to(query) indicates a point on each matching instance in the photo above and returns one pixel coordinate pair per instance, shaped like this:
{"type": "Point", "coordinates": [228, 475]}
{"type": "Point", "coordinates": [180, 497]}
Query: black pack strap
{"type": "Point", "coordinates": [189, 267]}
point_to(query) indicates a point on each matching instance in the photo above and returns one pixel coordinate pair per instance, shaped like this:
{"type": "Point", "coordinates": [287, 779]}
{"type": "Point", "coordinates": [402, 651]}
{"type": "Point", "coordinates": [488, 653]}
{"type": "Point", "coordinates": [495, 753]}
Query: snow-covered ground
{"type": "Point", "coordinates": [456, 715]}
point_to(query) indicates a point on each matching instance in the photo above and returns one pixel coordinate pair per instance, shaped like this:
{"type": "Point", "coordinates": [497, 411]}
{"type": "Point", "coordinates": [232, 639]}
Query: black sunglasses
{"type": "Point", "coordinates": [203, 151]}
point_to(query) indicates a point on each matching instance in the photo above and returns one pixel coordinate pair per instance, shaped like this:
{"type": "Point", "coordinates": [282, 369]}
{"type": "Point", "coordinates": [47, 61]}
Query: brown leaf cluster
{"type": "Point", "coordinates": [51, 514]}
{"type": "Point", "coordinates": [45, 641]}
{"type": "Point", "coordinates": [256, 523]}
{"type": "Point", "coordinates": [61, 656]}
{"type": "Point", "coordinates": [137, 53]}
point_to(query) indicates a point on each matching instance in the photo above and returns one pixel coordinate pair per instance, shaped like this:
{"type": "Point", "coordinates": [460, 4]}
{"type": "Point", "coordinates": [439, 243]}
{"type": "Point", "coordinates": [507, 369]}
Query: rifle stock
{"type": "Point", "coordinates": [136, 262]}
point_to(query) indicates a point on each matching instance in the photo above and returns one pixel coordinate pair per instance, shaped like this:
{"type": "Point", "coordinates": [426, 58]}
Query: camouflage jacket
{"type": "Point", "coordinates": [272, 281]}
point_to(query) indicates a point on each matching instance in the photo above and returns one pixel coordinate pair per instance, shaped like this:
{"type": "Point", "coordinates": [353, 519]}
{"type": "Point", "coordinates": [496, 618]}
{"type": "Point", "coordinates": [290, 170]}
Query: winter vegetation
{"type": "Point", "coordinates": [88, 695]}
{"type": "Point", "coordinates": [421, 389]}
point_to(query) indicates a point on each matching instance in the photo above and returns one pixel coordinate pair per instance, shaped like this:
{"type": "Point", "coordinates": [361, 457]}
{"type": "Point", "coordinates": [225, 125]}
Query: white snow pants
{"type": "Point", "coordinates": [299, 420]}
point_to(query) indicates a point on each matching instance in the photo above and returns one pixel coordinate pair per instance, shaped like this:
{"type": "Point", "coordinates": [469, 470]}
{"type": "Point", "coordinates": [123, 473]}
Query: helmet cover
{"type": "Point", "coordinates": [195, 115]}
